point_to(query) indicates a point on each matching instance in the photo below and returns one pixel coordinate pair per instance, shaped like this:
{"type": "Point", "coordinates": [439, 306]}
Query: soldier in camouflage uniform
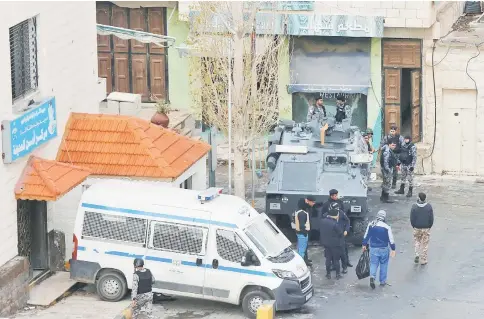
{"type": "Point", "coordinates": [398, 140]}
{"type": "Point", "coordinates": [408, 159]}
{"type": "Point", "coordinates": [317, 111]}
{"type": "Point", "coordinates": [141, 292]}
{"type": "Point", "coordinates": [387, 163]}
{"type": "Point", "coordinates": [422, 220]}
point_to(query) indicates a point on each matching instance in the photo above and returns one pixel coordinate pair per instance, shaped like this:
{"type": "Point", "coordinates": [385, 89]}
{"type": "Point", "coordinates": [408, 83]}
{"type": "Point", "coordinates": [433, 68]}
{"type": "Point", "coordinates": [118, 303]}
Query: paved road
{"type": "Point", "coordinates": [450, 286]}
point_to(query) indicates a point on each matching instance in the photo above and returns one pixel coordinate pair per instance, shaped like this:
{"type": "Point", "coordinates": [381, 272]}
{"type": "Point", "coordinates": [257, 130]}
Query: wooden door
{"type": "Point", "coordinates": [415, 103]}
{"type": "Point", "coordinates": [104, 47]}
{"type": "Point", "coordinates": [139, 71]}
{"type": "Point", "coordinates": [393, 80]}
{"type": "Point", "coordinates": [402, 53]}
{"type": "Point", "coordinates": [129, 65]}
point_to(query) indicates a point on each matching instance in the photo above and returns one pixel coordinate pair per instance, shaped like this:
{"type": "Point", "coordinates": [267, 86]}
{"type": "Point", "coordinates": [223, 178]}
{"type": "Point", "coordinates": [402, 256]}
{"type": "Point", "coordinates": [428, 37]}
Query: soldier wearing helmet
{"type": "Point", "coordinates": [141, 292]}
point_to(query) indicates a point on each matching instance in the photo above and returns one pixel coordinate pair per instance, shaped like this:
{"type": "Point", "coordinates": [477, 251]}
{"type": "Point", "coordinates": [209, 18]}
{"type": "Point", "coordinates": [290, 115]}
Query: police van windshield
{"type": "Point", "coordinates": [268, 239]}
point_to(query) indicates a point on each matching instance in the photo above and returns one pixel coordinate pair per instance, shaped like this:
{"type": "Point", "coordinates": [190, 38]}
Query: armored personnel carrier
{"type": "Point", "coordinates": [312, 158]}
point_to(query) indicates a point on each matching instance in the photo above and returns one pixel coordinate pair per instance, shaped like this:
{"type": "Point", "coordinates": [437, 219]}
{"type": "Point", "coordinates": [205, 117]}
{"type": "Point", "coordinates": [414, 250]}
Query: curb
{"type": "Point", "coordinates": [125, 314]}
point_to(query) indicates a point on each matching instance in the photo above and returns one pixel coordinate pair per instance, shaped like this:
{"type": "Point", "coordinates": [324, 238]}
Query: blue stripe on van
{"type": "Point", "coordinates": [81, 248]}
{"type": "Point", "coordinates": [144, 213]}
{"type": "Point", "coordinates": [189, 263]}
{"type": "Point", "coordinates": [159, 259]}
{"type": "Point", "coordinates": [123, 254]}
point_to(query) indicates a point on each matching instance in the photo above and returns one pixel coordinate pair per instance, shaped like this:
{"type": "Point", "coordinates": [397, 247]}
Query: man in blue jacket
{"type": "Point", "coordinates": [380, 238]}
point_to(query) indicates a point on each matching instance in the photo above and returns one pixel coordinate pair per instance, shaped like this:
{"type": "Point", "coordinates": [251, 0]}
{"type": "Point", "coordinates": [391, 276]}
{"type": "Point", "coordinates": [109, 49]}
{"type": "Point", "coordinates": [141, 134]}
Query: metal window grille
{"type": "Point", "coordinates": [178, 238]}
{"type": "Point", "coordinates": [110, 227]}
{"type": "Point", "coordinates": [229, 246]}
{"type": "Point", "coordinates": [23, 58]}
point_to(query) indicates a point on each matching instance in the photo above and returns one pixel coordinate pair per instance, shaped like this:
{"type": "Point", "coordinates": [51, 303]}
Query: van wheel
{"type": "Point", "coordinates": [111, 286]}
{"type": "Point", "coordinates": [252, 301]}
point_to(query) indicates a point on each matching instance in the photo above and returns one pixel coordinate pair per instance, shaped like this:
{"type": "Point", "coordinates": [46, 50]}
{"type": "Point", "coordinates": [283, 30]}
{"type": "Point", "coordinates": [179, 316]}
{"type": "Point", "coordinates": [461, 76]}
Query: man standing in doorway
{"type": "Point", "coordinates": [332, 240]}
{"type": "Point", "coordinates": [422, 220]}
{"type": "Point", "coordinates": [387, 164]}
{"type": "Point", "coordinates": [397, 139]}
{"type": "Point", "coordinates": [408, 159]}
{"type": "Point", "coordinates": [380, 237]}
{"type": "Point", "coordinates": [317, 111]}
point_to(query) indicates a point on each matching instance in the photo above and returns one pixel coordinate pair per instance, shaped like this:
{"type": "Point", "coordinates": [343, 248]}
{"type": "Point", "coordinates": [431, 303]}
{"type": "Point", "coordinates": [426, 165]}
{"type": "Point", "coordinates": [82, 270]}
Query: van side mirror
{"type": "Point", "coordinates": [250, 259]}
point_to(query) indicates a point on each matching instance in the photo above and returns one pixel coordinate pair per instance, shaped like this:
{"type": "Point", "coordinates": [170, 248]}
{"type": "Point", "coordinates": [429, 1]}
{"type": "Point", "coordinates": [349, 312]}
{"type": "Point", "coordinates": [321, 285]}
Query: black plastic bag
{"type": "Point", "coordinates": [363, 267]}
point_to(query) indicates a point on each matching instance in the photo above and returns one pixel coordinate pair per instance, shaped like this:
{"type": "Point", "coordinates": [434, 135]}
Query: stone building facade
{"type": "Point", "coordinates": [43, 54]}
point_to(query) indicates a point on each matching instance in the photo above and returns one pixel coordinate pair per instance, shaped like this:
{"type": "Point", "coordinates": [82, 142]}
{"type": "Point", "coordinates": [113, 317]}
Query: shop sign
{"type": "Point", "coordinates": [29, 131]}
{"type": "Point", "coordinates": [303, 24]}
{"type": "Point", "coordinates": [282, 5]}
{"type": "Point", "coordinates": [335, 25]}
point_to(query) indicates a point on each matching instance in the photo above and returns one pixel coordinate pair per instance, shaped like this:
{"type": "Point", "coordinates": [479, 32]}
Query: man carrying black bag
{"type": "Point", "coordinates": [363, 267]}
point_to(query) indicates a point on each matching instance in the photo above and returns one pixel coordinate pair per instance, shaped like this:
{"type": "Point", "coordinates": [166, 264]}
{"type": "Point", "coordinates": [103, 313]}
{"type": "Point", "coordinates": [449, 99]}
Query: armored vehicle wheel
{"type": "Point", "coordinates": [358, 227]}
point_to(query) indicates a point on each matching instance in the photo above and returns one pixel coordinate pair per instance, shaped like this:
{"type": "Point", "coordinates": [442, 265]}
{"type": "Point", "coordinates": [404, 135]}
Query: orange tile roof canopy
{"type": "Point", "coordinates": [117, 145]}
{"type": "Point", "coordinates": [48, 180]}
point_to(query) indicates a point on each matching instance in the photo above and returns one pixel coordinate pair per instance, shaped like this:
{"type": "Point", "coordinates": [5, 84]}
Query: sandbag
{"type": "Point", "coordinates": [363, 267]}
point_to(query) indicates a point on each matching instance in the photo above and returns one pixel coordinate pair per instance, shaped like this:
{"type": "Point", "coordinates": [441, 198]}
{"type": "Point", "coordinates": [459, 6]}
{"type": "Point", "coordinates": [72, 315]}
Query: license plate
{"type": "Point", "coordinates": [356, 209]}
{"type": "Point", "coordinates": [275, 206]}
{"type": "Point", "coordinates": [309, 296]}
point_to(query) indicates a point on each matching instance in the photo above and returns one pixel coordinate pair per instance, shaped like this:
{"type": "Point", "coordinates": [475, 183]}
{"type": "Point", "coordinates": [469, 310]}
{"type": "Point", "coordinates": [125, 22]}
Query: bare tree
{"type": "Point", "coordinates": [225, 48]}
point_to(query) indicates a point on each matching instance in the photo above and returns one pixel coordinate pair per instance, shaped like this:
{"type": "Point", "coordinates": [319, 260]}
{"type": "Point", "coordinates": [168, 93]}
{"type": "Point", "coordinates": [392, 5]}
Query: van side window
{"type": "Point", "coordinates": [229, 246]}
{"type": "Point", "coordinates": [113, 227]}
{"type": "Point", "coordinates": [178, 238]}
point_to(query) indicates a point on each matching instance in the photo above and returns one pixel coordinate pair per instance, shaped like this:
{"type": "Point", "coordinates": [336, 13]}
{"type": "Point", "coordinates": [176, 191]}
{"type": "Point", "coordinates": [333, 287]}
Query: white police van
{"type": "Point", "coordinates": [196, 244]}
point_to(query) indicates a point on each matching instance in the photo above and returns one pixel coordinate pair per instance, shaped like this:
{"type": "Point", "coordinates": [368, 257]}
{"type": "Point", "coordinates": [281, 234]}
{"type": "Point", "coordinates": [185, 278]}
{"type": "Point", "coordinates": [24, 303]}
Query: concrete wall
{"type": "Point", "coordinates": [14, 278]}
{"type": "Point", "coordinates": [178, 68]}
{"type": "Point", "coordinates": [399, 14]}
{"type": "Point", "coordinates": [285, 99]}
{"type": "Point", "coordinates": [374, 99]}
{"type": "Point", "coordinates": [67, 68]}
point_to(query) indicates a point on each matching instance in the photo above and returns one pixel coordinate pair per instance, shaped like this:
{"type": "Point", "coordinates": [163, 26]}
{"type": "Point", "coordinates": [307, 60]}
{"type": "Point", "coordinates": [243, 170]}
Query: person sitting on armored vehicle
{"type": "Point", "coordinates": [317, 111]}
{"type": "Point", "coordinates": [371, 150]}
{"type": "Point", "coordinates": [341, 108]}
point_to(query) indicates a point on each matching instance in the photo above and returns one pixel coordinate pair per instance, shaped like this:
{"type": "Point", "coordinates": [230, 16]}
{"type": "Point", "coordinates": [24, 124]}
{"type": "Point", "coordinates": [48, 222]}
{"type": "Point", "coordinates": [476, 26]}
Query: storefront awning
{"type": "Point", "coordinates": [48, 180]}
{"type": "Point", "coordinates": [330, 72]}
{"type": "Point", "coordinates": [129, 34]}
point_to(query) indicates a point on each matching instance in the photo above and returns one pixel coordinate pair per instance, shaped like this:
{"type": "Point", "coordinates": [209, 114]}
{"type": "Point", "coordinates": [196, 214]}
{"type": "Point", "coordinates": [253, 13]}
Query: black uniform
{"type": "Point", "coordinates": [343, 222]}
{"type": "Point", "coordinates": [326, 208]}
{"type": "Point", "coordinates": [332, 240]}
{"type": "Point", "coordinates": [398, 140]}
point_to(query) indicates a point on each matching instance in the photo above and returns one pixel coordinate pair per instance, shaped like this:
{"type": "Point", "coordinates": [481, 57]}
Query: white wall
{"type": "Point", "coordinates": [398, 14]}
{"type": "Point", "coordinates": [65, 209]}
{"type": "Point", "coordinates": [67, 68]}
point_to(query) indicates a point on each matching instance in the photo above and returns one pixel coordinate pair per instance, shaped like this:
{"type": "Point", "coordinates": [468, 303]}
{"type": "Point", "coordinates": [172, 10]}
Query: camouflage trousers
{"type": "Point", "coordinates": [421, 239]}
{"type": "Point", "coordinates": [144, 305]}
{"type": "Point", "coordinates": [407, 174]}
{"type": "Point", "coordinates": [387, 181]}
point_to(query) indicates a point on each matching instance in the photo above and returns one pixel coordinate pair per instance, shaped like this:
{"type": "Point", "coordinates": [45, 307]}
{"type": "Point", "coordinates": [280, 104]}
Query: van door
{"type": "Point", "coordinates": [175, 256]}
{"type": "Point", "coordinates": [225, 277]}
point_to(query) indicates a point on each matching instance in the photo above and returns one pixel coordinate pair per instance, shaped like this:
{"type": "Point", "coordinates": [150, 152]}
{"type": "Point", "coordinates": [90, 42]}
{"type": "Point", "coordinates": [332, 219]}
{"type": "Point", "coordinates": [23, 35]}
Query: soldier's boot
{"type": "Point", "coordinates": [410, 190]}
{"type": "Point", "coordinates": [386, 198]}
{"type": "Point", "coordinates": [394, 182]}
{"type": "Point", "coordinates": [382, 196]}
{"type": "Point", "coordinates": [401, 191]}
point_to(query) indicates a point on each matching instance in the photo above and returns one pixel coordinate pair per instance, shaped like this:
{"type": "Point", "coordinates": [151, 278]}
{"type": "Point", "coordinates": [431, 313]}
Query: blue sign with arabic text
{"type": "Point", "coordinates": [29, 131]}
